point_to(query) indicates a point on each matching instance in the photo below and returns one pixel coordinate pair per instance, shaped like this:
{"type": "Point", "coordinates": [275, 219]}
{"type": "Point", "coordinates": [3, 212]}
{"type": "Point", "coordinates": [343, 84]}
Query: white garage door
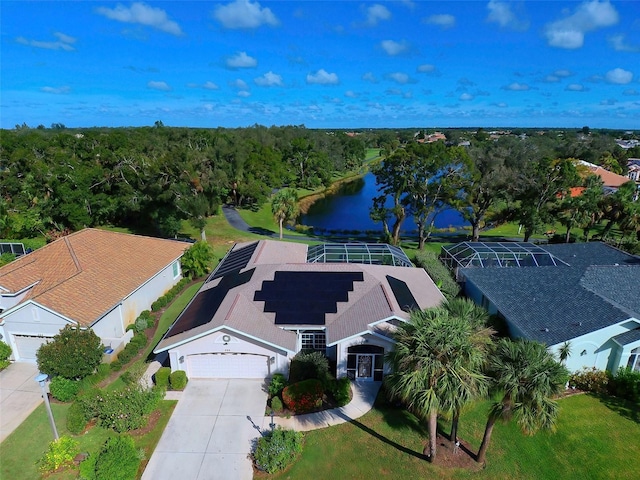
{"type": "Point", "coordinates": [27, 346]}
{"type": "Point", "coordinates": [227, 365]}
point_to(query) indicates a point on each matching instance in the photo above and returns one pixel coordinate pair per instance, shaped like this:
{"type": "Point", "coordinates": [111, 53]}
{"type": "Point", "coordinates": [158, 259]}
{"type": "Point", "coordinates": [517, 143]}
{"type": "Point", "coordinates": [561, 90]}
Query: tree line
{"type": "Point", "coordinates": [533, 180]}
{"type": "Point", "coordinates": [156, 176]}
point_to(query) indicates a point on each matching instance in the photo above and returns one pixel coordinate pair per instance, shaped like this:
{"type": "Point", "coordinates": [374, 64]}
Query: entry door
{"type": "Point", "coordinates": [364, 367]}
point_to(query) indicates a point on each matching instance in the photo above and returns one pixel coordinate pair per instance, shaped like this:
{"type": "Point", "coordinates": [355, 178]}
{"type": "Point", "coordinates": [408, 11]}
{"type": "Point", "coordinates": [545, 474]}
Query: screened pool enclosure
{"type": "Point", "coordinates": [367, 253]}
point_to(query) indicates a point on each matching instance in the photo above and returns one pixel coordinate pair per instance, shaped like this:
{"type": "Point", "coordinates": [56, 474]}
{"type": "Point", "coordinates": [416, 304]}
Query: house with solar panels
{"type": "Point", "coordinates": [93, 278]}
{"type": "Point", "coordinates": [587, 294]}
{"type": "Point", "coordinates": [268, 300]}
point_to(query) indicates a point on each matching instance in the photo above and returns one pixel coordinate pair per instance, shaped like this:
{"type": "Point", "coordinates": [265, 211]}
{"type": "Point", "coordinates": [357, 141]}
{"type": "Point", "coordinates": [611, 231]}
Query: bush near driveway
{"type": "Point", "coordinates": [74, 353]}
{"type": "Point", "coordinates": [64, 389]}
{"type": "Point", "coordinates": [178, 380]}
{"type": "Point", "coordinates": [5, 353]}
{"type": "Point", "coordinates": [60, 453]}
{"type": "Point", "coordinates": [277, 449]}
{"type": "Point", "coordinates": [303, 397]}
{"type": "Point", "coordinates": [119, 459]}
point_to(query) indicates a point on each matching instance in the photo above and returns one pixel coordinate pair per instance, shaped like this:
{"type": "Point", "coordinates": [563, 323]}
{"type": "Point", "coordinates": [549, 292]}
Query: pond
{"type": "Point", "coordinates": [348, 209]}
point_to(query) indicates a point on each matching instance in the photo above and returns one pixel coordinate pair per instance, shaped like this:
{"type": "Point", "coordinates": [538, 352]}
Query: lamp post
{"type": "Point", "coordinates": [42, 380]}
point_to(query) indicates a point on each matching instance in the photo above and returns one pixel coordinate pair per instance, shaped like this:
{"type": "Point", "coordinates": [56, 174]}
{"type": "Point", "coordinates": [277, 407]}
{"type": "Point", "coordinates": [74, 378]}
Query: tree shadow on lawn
{"type": "Point", "coordinates": [622, 407]}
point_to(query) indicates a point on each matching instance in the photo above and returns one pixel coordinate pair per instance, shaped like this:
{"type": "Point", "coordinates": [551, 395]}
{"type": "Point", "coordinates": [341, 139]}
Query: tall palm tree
{"type": "Point", "coordinates": [528, 377]}
{"type": "Point", "coordinates": [481, 336]}
{"type": "Point", "coordinates": [432, 364]}
{"type": "Point", "coordinates": [284, 206]}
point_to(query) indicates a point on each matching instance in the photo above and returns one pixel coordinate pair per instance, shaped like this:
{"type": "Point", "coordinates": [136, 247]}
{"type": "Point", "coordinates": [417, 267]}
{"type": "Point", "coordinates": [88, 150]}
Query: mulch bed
{"type": "Point", "coordinates": [448, 456]}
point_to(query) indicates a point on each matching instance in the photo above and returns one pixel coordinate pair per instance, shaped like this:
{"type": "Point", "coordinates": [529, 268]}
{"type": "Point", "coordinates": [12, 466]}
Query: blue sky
{"type": "Point", "coordinates": [331, 64]}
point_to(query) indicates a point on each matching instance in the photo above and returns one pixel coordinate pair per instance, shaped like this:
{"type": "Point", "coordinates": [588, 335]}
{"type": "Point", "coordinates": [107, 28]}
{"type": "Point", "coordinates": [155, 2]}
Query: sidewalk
{"type": "Point", "coordinates": [364, 396]}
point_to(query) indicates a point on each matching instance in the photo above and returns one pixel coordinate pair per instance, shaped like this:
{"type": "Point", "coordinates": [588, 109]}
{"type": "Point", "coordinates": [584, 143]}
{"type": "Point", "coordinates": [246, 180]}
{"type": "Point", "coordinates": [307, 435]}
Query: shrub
{"type": "Point", "coordinates": [148, 317]}
{"type": "Point", "coordinates": [64, 389]}
{"type": "Point", "coordinates": [626, 384]}
{"type": "Point", "coordinates": [126, 409]}
{"type": "Point", "coordinates": [134, 374]}
{"type": "Point", "coordinates": [89, 403]}
{"type": "Point", "coordinates": [119, 459]}
{"type": "Point", "coordinates": [341, 390]}
{"type": "Point", "coordinates": [74, 353]}
{"type": "Point", "coordinates": [277, 449]}
{"type": "Point", "coordinates": [141, 324]}
{"type": "Point", "coordinates": [276, 404]}
{"type": "Point", "coordinates": [60, 453]}
{"type": "Point", "coordinates": [178, 380]}
{"type": "Point", "coordinates": [76, 420]}
{"type": "Point", "coordinates": [591, 380]}
{"type": "Point", "coordinates": [197, 259]}
{"type": "Point", "coordinates": [158, 304]}
{"type": "Point", "coordinates": [115, 365]}
{"type": "Point", "coordinates": [304, 396]}
{"type": "Point", "coordinates": [5, 353]}
{"type": "Point", "coordinates": [278, 382]}
{"type": "Point", "coordinates": [438, 272]}
{"type": "Point", "coordinates": [162, 377]}
{"type": "Point", "coordinates": [306, 365]}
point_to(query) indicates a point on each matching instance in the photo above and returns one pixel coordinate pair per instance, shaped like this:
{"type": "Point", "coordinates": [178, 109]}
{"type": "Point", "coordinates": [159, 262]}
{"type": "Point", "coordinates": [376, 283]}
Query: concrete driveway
{"type": "Point", "coordinates": [210, 433]}
{"type": "Point", "coordinates": [19, 395]}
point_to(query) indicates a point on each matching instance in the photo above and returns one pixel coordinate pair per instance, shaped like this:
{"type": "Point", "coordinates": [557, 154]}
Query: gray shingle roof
{"type": "Point", "coordinates": [556, 304]}
{"type": "Point", "coordinates": [628, 337]}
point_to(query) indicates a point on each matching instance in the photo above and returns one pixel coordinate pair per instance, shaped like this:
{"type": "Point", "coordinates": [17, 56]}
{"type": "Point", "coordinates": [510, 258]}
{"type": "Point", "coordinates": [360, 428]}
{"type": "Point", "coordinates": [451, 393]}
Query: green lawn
{"type": "Point", "coordinates": [592, 442]}
{"type": "Point", "coordinates": [20, 452]}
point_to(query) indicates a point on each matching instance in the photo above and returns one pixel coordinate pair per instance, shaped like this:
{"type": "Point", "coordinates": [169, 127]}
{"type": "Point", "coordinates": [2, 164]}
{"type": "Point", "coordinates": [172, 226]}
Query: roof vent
{"type": "Point", "coordinates": [544, 329]}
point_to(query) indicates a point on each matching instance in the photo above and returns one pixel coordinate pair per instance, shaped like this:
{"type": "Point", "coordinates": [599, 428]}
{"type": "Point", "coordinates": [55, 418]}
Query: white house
{"type": "Point", "coordinates": [268, 300]}
{"type": "Point", "coordinates": [92, 278]}
{"type": "Point", "coordinates": [587, 294]}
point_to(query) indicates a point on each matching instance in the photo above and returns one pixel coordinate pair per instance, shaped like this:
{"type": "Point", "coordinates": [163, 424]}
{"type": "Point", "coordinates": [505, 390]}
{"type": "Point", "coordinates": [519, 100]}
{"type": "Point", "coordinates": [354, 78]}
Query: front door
{"type": "Point", "coordinates": [364, 367]}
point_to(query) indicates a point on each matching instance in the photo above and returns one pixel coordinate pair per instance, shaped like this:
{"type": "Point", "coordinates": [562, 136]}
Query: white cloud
{"type": "Point", "coordinates": [392, 47]}
{"type": "Point", "coordinates": [210, 86]}
{"type": "Point", "coordinates": [399, 77]}
{"type": "Point", "coordinates": [466, 97]}
{"type": "Point", "coordinates": [244, 93]}
{"type": "Point", "coordinates": [619, 76]}
{"type": "Point", "coordinates": [322, 77]}
{"type": "Point", "coordinates": [269, 79]}
{"type": "Point", "coordinates": [159, 86]}
{"type": "Point", "coordinates": [619, 44]}
{"type": "Point", "coordinates": [551, 79]}
{"type": "Point", "coordinates": [239, 84]}
{"type": "Point", "coordinates": [375, 13]}
{"type": "Point", "coordinates": [241, 60]}
{"type": "Point", "coordinates": [426, 68]}
{"type": "Point", "coordinates": [516, 87]}
{"type": "Point", "coordinates": [350, 94]}
{"type": "Point", "coordinates": [244, 14]}
{"type": "Point", "coordinates": [500, 13]}
{"type": "Point", "coordinates": [56, 90]}
{"type": "Point", "coordinates": [575, 87]}
{"type": "Point", "coordinates": [444, 20]}
{"type": "Point", "coordinates": [370, 77]}
{"type": "Point", "coordinates": [591, 15]}
{"type": "Point", "coordinates": [142, 14]}
{"type": "Point", "coordinates": [563, 73]}
{"type": "Point", "coordinates": [64, 42]}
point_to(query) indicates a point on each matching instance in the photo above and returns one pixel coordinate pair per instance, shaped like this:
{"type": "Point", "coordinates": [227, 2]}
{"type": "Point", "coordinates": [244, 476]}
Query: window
{"type": "Point", "coordinates": [314, 340]}
{"type": "Point", "coordinates": [176, 270]}
{"type": "Point", "coordinates": [634, 360]}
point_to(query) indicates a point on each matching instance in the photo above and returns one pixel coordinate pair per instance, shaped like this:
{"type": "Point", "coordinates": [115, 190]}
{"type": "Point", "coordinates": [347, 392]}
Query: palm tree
{"type": "Point", "coordinates": [481, 336]}
{"type": "Point", "coordinates": [433, 363]}
{"type": "Point", "coordinates": [564, 352]}
{"type": "Point", "coordinates": [528, 377]}
{"type": "Point", "coordinates": [284, 206]}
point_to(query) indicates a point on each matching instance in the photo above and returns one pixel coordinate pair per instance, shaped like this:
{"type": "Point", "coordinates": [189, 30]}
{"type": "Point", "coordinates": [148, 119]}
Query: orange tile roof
{"type": "Point", "coordinates": [84, 275]}
{"type": "Point", "coordinates": [609, 179]}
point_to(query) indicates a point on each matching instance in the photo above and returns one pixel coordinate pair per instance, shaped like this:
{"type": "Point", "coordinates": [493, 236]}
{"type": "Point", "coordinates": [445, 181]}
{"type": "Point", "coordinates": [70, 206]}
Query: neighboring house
{"type": "Point", "coordinates": [268, 300]}
{"type": "Point", "coordinates": [587, 294]}
{"type": "Point", "coordinates": [611, 181]}
{"type": "Point", "coordinates": [91, 278]}
{"type": "Point", "coordinates": [633, 172]}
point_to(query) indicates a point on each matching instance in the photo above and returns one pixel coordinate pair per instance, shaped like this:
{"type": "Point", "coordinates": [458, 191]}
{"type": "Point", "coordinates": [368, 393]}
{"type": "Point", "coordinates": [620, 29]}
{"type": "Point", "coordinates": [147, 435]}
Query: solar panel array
{"type": "Point", "coordinates": [306, 297]}
{"type": "Point", "coordinates": [206, 303]}
{"type": "Point", "coordinates": [403, 295]}
{"type": "Point", "coordinates": [234, 260]}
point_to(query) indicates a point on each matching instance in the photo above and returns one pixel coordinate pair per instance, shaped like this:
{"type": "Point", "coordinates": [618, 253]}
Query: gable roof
{"type": "Point", "coordinates": [84, 275]}
{"type": "Point", "coordinates": [241, 305]}
{"type": "Point", "coordinates": [610, 179]}
{"type": "Point", "coordinates": [598, 288]}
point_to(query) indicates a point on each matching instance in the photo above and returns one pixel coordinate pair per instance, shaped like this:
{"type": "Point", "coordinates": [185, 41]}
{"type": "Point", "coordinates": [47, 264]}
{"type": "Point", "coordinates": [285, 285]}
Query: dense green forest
{"type": "Point", "coordinates": [152, 178]}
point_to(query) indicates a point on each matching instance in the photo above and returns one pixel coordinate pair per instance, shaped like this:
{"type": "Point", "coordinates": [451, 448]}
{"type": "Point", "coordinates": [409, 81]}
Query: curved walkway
{"type": "Point", "coordinates": [364, 396]}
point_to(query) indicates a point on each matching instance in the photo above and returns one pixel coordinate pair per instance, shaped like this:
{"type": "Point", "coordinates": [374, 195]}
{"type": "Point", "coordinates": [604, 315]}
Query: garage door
{"type": "Point", "coordinates": [27, 346]}
{"type": "Point", "coordinates": [227, 365]}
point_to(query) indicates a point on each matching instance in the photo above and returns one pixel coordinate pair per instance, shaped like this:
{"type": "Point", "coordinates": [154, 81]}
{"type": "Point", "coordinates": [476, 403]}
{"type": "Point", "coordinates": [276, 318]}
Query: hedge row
{"type": "Point", "coordinates": [136, 344]}
{"type": "Point", "coordinates": [438, 272]}
{"type": "Point", "coordinates": [177, 380]}
{"type": "Point", "coordinates": [624, 384]}
{"type": "Point", "coordinates": [166, 299]}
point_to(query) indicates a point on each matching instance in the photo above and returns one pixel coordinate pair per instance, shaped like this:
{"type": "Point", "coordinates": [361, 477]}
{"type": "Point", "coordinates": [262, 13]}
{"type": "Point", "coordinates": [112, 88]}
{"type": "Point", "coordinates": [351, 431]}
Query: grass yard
{"type": "Point", "coordinates": [593, 441]}
{"type": "Point", "coordinates": [20, 452]}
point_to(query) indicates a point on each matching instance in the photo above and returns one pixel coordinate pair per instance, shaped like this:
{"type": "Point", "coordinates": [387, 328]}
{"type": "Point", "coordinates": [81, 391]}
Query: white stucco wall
{"type": "Point", "coordinates": [8, 301]}
{"type": "Point", "coordinates": [214, 343]}
{"type": "Point", "coordinates": [597, 349]}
